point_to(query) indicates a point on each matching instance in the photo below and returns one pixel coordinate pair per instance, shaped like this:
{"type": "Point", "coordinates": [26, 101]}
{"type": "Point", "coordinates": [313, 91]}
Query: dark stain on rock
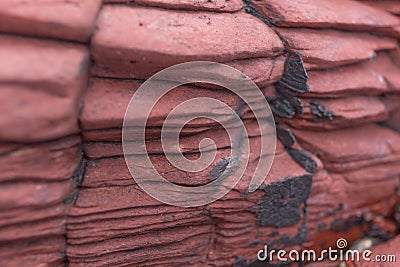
{"type": "Point", "coordinates": [320, 111]}
{"type": "Point", "coordinates": [294, 81]}
{"type": "Point", "coordinates": [281, 107]}
{"type": "Point", "coordinates": [333, 211]}
{"type": "Point", "coordinates": [218, 169]}
{"type": "Point", "coordinates": [249, 8]}
{"type": "Point", "coordinates": [280, 205]}
{"type": "Point", "coordinates": [285, 136]}
{"type": "Point", "coordinates": [345, 224]}
{"type": "Point", "coordinates": [396, 214]}
{"type": "Point", "coordinates": [290, 97]}
{"type": "Point", "coordinates": [294, 76]}
{"type": "Point", "coordinates": [79, 172]}
{"type": "Point", "coordinates": [77, 180]}
{"type": "Point", "coordinates": [303, 159]}
{"type": "Point", "coordinates": [286, 240]}
{"type": "Point", "coordinates": [254, 243]}
{"type": "Point", "coordinates": [379, 234]}
{"type": "Point", "coordinates": [280, 243]}
{"type": "Point", "coordinates": [369, 228]}
{"type": "Point", "coordinates": [273, 233]}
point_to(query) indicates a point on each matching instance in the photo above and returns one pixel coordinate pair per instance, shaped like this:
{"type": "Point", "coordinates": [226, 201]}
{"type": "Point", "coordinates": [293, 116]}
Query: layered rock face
{"type": "Point", "coordinates": [330, 70]}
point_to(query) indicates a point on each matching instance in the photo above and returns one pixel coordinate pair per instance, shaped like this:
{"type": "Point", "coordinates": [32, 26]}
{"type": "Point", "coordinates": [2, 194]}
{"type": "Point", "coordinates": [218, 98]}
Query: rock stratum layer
{"type": "Point", "coordinates": [330, 70]}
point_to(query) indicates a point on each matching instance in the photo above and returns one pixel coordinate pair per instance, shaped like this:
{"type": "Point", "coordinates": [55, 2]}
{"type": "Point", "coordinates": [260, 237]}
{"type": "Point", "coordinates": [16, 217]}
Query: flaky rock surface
{"type": "Point", "coordinates": [330, 70]}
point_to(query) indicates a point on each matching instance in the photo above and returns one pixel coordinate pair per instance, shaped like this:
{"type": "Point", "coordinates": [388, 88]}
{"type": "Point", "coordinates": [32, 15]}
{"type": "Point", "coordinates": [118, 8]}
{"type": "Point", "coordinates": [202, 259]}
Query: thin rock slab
{"type": "Point", "coordinates": [344, 113]}
{"type": "Point", "coordinates": [34, 252]}
{"type": "Point", "coordinates": [146, 40]}
{"type": "Point", "coordinates": [49, 161]}
{"type": "Point", "coordinates": [327, 14]}
{"type": "Point", "coordinates": [188, 144]}
{"type": "Point", "coordinates": [344, 81]}
{"type": "Point", "coordinates": [194, 5]}
{"type": "Point", "coordinates": [371, 77]}
{"type": "Point", "coordinates": [41, 86]}
{"type": "Point", "coordinates": [231, 224]}
{"type": "Point", "coordinates": [37, 184]}
{"type": "Point", "coordinates": [32, 222]}
{"type": "Point", "coordinates": [352, 148]}
{"type": "Point", "coordinates": [325, 49]}
{"type": "Point", "coordinates": [67, 20]}
{"type": "Point", "coordinates": [389, 6]}
{"type": "Point", "coordinates": [106, 101]}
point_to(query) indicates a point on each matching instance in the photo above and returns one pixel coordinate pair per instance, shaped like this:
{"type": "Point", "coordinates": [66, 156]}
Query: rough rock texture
{"type": "Point", "coordinates": [327, 14]}
{"type": "Point", "coordinates": [45, 98]}
{"type": "Point", "coordinates": [195, 5]}
{"type": "Point", "coordinates": [372, 77]}
{"type": "Point", "coordinates": [344, 47]}
{"type": "Point", "coordinates": [71, 20]}
{"type": "Point", "coordinates": [155, 39]}
{"type": "Point", "coordinates": [37, 189]}
{"type": "Point", "coordinates": [330, 70]}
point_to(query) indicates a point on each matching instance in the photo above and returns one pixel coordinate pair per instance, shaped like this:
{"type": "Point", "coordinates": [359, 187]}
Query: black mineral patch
{"type": "Point", "coordinates": [280, 205]}
{"type": "Point", "coordinates": [285, 136]}
{"type": "Point", "coordinates": [294, 76]}
{"type": "Point", "coordinates": [281, 107]}
{"type": "Point", "coordinates": [303, 159]}
{"type": "Point", "coordinates": [286, 240]}
{"type": "Point", "coordinates": [249, 8]}
{"type": "Point", "coordinates": [320, 111]}
{"type": "Point", "coordinates": [345, 224]}
{"type": "Point", "coordinates": [294, 81]}
{"type": "Point", "coordinates": [290, 97]}
{"type": "Point", "coordinates": [218, 169]}
{"type": "Point", "coordinates": [273, 233]}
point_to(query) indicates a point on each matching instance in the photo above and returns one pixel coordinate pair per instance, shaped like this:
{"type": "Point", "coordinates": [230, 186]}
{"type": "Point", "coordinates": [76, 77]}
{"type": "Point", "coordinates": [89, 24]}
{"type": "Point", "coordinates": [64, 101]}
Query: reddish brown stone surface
{"type": "Point", "coordinates": [235, 232]}
{"type": "Point", "coordinates": [352, 148]}
{"type": "Point", "coordinates": [327, 14]}
{"type": "Point", "coordinates": [155, 39]}
{"type": "Point", "coordinates": [346, 112]}
{"type": "Point", "coordinates": [329, 68]}
{"type": "Point", "coordinates": [394, 120]}
{"type": "Point", "coordinates": [329, 48]}
{"type": "Point", "coordinates": [44, 97]}
{"type": "Point", "coordinates": [67, 20]}
{"type": "Point", "coordinates": [195, 5]}
{"type": "Point", "coordinates": [372, 77]}
{"type": "Point", "coordinates": [36, 192]}
{"type": "Point", "coordinates": [389, 6]}
{"type": "Point", "coordinates": [51, 161]}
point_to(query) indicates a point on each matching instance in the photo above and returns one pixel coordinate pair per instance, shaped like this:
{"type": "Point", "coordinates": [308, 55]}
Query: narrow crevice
{"type": "Point", "coordinates": [285, 103]}
{"type": "Point", "coordinates": [79, 173]}
{"type": "Point", "coordinates": [195, 10]}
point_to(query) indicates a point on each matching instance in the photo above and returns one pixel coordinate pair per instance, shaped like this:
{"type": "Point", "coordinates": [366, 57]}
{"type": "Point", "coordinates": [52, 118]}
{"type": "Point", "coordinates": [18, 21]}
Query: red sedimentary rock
{"type": "Point", "coordinates": [45, 98]}
{"type": "Point", "coordinates": [329, 70]}
{"type": "Point", "coordinates": [67, 20]}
